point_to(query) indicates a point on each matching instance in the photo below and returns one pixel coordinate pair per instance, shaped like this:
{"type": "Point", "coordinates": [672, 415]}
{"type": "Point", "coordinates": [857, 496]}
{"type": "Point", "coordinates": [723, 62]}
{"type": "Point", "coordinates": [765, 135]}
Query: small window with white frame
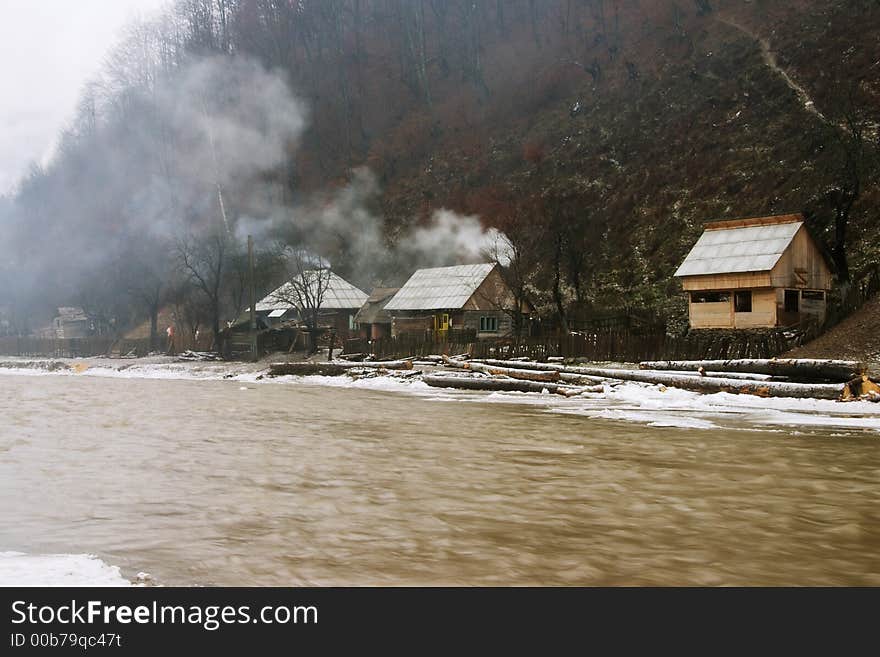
{"type": "Point", "coordinates": [489, 324]}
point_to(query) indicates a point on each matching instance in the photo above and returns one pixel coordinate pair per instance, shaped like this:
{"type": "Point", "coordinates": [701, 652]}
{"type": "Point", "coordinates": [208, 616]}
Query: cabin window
{"type": "Point", "coordinates": [352, 325]}
{"type": "Point", "coordinates": [813, 295]}
{"type": "Point", "coordinates": [742, 301]}
{"type": "Point", "coordinates": [792, 301]}
{"type": "Point", "coordinates": [710, 297]}
{"type": "Point", "coordinates": [488, 324]}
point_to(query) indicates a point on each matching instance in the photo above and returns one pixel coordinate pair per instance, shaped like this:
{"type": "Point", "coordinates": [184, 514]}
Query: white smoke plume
{"type": "Point", "coordinates": [346, 229]}
{"type": "Point", "coordinates": [238, 118]}
{"type": "Point", "coordinates": [450, 239]}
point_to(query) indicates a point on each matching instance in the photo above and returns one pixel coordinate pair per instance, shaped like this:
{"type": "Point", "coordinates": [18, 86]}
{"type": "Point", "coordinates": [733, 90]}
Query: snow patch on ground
{"type": "Point", "coordinates": [662, 406]}
{"type": "Point", "coordinates": [17, 569]}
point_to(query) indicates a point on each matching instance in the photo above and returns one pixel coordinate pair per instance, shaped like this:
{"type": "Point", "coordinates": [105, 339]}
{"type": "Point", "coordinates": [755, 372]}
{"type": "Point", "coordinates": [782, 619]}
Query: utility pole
{"type": "Point", "coordinates": [252, 293]}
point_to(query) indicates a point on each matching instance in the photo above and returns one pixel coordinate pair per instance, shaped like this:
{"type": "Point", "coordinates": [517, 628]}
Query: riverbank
{"type": "Point", "coordinates": [629, 402]}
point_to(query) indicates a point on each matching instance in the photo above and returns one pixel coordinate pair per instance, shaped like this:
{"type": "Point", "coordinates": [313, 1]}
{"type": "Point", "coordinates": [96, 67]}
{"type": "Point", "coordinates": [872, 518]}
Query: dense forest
{"type": "Point", "coordinates": [582, 142]}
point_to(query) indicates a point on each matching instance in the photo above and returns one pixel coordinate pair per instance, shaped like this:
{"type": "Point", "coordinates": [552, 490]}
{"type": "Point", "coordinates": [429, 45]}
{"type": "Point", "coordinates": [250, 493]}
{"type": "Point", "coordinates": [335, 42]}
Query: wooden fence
{"type": "Point", "coordinates": [91, 346]}
{"type": "Point", "coordinates": [620, 346]}
{"type": "Point", "coordinates": [71, 347]}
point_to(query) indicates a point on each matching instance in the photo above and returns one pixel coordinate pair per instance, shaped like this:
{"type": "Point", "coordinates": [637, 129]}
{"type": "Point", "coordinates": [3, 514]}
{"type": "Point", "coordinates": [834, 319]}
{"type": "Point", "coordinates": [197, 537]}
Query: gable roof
{"type": "Point", "coordinates": [373, 310]}
{"type": "Point", "coordinates": [340, 294]}
{"type": "Point", "coordinates": [72, 314]}
{"type": "Point", "coordinates": [440, 288]}
{"type": "Point", "coordinates": [745, 245]}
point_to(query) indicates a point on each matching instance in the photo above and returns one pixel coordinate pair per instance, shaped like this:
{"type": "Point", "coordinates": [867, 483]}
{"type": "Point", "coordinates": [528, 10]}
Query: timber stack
{"type": "Point", "coordinates": [798, 378]}
{"type": "Point", "coordinates": [508, 379]}
{"type": "Point", "coordinates": [793, 378]}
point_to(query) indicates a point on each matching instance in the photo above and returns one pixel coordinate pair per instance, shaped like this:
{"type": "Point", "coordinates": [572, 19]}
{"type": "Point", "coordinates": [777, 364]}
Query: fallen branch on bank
{"type": "Point", "coordinates": [199, 355]}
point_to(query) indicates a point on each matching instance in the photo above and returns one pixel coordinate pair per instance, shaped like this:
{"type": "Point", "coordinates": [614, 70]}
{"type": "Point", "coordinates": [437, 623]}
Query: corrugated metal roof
{"type": "Point", "coordinates": [741, 249]}
{"type": "Point", "coordinates": [340, 294]}
{"type": "Point", "coordinates": [440, 288]}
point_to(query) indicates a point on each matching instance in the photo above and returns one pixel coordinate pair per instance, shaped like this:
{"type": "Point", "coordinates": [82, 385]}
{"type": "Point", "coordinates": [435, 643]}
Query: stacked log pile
{"type": "Point", "coordinates": [798, 378]}
{"type": "Point", "coordinates": [507, 379]}
{"type": "Point", "coordinates": [815, 379]}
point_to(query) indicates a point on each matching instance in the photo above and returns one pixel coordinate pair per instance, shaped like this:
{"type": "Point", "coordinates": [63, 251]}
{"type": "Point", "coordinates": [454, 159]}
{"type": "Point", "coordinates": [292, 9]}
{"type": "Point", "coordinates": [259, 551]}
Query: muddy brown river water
{"type": "Point", "coordinates": [203, 482]}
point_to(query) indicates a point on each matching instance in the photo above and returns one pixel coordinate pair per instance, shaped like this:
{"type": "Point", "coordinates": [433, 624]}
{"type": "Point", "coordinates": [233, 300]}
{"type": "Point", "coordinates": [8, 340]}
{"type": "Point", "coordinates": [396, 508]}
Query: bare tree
{"type": "Point", "coordinates": [516, 257]}
{"type": "Point", "coordinates": [145, 273]}
{"type": "Point", "coordinates": [851, 139]}
{"type": "Point", "coordinates": [308, 279]}
{"type": "Point", "coordinates": [205, 263]}
{"type": "Point", "coordinates": [853, 164]}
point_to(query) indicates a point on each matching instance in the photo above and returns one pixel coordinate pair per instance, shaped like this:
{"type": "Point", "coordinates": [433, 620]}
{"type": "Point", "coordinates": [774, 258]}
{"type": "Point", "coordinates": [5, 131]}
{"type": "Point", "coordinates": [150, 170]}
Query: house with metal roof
{"type": "Point", "coordinates": [755, 273]}
{"type": "Point", "coordinates": [471, 298]}
{"type": "Point", "coordinates": [339, 300]}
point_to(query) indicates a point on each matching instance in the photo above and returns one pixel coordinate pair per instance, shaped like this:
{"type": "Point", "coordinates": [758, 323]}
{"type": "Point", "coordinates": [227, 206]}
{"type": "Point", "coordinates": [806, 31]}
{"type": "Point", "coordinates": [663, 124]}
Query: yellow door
{"type": "Point", "coordinates": [441, 326]}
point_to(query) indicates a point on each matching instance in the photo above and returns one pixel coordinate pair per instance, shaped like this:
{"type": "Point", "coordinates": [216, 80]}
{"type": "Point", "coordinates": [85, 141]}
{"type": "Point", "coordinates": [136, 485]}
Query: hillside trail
{"type": "Point", "coordinates": [772, 63]}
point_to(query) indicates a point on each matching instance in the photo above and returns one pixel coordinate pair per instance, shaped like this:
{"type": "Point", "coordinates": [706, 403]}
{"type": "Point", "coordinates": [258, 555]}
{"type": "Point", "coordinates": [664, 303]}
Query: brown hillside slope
{"type": "Point", "coordinates": [857, 337]}
{"type": "Point", "coordinates": [695, 116]}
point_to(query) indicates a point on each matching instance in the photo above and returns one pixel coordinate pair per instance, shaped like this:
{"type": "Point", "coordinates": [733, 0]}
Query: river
{"type": "Point", "coordinates": [213, 482]}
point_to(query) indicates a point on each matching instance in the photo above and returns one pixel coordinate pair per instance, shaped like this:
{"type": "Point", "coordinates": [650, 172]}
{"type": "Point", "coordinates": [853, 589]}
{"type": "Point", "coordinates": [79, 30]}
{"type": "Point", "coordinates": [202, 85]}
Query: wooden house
{"type": "Point", "coordinates": [755, 273]}
{"type": "Point", "coordinates": [340, 301]}
{"type": "Point", "coordinates": [72, 322]}
{"type": "Point", "coordinates": [471, 298]}
{"type": "Point", "coordinates": [373, 320]}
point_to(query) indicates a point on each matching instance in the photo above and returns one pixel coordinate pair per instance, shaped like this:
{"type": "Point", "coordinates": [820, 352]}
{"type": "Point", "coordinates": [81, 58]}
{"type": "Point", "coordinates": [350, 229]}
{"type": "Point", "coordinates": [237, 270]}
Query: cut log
{"type": "Point", "coordinates": [566, 373]}
{"type": "Point", "coordinates": [727, 375]}
{"type": "Point", "coordinates": [505, 385]}
{"type": "Point", "coordinates": [524, 365]}
{"type": "Point", "coordinates": [583, 379]}
{"type": "Point", "coordinates": [513, 373]}
{"type": "Point", "coordinates": [862, 388]}
{"type": "Point", "coordinates": [336, 368]}
{"type": "Point", "coordinates": [524, 375]}
{"type": "Point", "coordinates": [796, 368]}
{"type": "Point", "coordinates": [735, 386]}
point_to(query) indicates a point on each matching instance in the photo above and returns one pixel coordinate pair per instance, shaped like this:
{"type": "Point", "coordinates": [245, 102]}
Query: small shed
{"type": "Point", "coordinates": [372, 319]}
{"type": "Point", "coordinates": [755, 273]}
{"type": "Point", "coordinates": [467, 297]}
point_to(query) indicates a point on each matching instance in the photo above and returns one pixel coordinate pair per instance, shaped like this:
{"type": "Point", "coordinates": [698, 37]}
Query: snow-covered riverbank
{"type": "Point", "coordinates": [629, 402]}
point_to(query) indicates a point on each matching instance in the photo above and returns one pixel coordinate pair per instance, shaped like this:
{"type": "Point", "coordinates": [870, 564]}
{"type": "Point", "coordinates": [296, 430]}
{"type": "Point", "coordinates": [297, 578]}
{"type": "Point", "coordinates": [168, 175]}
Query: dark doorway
{"type": "Point", "coordinates": [792, 301]}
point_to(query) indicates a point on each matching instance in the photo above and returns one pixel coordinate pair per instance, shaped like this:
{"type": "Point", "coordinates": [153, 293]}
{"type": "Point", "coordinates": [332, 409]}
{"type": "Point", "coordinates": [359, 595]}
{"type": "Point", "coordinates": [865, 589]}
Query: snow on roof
{"type": "Point", "coordinates": [72, 314]}
{"type": "Point", "coordinates": [340, 294]}
{"type": "Point", "coordinates": [750, 248]}
{"type": "Point", "coordinates": [440, 288]}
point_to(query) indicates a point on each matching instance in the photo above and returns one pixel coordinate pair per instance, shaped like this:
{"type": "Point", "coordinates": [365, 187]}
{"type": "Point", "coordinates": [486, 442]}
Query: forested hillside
{"type": "Point", "coordinates": [597, 135]}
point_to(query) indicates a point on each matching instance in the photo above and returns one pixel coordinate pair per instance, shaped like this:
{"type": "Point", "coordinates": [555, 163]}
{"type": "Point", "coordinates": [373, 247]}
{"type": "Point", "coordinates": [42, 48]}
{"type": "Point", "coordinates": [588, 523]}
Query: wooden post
{"type": "Point", "coordinates": [252, 293]}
